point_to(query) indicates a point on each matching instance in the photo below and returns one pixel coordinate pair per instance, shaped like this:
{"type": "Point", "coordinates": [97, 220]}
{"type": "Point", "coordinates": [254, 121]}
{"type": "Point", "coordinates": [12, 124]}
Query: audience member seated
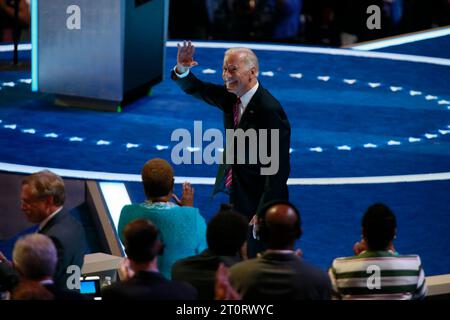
{"type": "Point", "coordinates": [226, 236]}
{"type": "Point", "coordinates": [42, 200]}
{"type": "Point", "coordinates": [31, 290]}
{"type": "Point", "coordinates": [223, 290]}
{"type": "Point", "coordinates": [377, 272]}
{"type": "Point", "coordinates": [279, 273]}
{"type": "Point", "coordinates": [35, 259]}
{"type": "Point", "coordinates": [142, 280]}
{"type": "Point", "coordinates": [181, 226]}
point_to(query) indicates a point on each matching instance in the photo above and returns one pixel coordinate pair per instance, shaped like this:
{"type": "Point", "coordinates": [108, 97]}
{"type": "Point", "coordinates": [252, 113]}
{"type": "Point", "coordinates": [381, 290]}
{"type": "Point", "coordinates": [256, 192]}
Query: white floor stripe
{"type": "Point", "coordinates": [294, 181]}
{"type": "Point", "coordinates": [371, 180]}
{"type": "Point", "coordinates": [10, 47]}
{"type": "Point", "coordinates": [403, 39]}
{"type": "Point", "coordinates": [109, 176]}
{"type": "Point", "coordinates": [331, 51]}
{"type": "Point", "coordinates": [303, 49]}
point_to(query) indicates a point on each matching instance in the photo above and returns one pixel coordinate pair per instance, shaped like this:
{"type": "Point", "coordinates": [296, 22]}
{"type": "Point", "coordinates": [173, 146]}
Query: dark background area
{"type": "Point", "coordinates": [314, 22]}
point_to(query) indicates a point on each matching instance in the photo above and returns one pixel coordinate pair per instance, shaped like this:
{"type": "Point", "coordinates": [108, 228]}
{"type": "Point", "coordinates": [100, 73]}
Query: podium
{"type": "Point", "coordinates": [101, 264]}
{"type": "Point", "coordinates": [98, 54]}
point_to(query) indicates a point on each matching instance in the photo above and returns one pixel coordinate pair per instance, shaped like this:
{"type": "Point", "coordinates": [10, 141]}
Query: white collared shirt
{"type": "Point", "coordinates": [245, 99]}
{"type": "Point", "coordinates": [46, 220]}
{"type": "Point", "coordinates": [181, 75]}
{"type": "Point", "coordinates": [280, 251]}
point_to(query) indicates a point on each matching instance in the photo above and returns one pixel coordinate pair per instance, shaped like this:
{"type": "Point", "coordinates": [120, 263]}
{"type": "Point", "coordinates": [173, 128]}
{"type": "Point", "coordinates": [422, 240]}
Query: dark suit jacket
{"type": "Point", "coordinates": [149, 286]}
{"type": "Point", "coordinates": [70, 242]}
{"type": "Point", "coordinates": [277, 276]}
{"type": "Point", "coordinates": [200, 271]}
{"type": "Point", "coordinates": [250, 189]}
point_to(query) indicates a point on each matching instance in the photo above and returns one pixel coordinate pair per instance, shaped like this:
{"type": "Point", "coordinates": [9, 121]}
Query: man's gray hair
{"type": "Point", "coordinates": [249, 57]}
{"type": "Point", "coordinates": [35, 256]}
{"type": "Point", "coordinates": [46, 183]}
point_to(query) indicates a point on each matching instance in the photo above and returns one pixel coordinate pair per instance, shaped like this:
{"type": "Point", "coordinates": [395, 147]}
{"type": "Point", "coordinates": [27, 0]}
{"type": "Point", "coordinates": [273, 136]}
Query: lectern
{"type": "Point", "coordinates": [98, 54]}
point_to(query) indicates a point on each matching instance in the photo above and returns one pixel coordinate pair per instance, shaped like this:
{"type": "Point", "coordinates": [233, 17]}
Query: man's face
{"type": "Point", "coordinates": [34, 208]}
{"type": "Point", "coordinates": [236, 75]}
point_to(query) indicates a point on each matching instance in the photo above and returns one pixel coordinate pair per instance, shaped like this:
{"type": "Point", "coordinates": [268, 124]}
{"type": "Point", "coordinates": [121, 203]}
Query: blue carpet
{"type": "Point", "coordinates": [322, 114]}
{"type": "Point", "coordinates": [325, 114]}
{"type": "Point", "coordinates": [437, 47]}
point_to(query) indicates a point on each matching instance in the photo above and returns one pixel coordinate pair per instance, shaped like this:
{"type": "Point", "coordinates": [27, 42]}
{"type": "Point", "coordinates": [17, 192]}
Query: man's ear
{"type": "Point", "coordinates": [49, 200]}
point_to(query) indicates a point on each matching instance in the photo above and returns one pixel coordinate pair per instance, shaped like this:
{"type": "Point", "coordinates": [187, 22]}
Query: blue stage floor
{"type": "Point", "coordinates": [353, 114]}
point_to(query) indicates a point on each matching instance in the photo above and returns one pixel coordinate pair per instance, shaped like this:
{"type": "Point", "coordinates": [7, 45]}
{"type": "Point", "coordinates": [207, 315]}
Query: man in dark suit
{"type": "Point", "coordinates": [42, 200]}
{"type": "Point", "coordinates": [226, 236]}
{"type": "Point", "coordinates": [248, 106]}
{"type": "Point", "coordinates": [142, 280]}
{"type": "Point", "coordinates": [279, 273]}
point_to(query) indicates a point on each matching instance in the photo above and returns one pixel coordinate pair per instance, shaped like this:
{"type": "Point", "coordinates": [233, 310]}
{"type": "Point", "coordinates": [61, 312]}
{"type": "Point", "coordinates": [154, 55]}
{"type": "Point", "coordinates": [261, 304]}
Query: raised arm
{"type": "Point", "coordinates": [185, 57]}
{"type": "Point", "coordinates": [210, 93]}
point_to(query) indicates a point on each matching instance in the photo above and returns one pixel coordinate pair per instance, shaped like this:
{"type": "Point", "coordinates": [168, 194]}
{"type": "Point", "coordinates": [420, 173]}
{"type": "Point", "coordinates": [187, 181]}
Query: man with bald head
{"type": "Point", "coordinates": [248, 106]}
{"type": "Point", "coordinates": [279, 273]}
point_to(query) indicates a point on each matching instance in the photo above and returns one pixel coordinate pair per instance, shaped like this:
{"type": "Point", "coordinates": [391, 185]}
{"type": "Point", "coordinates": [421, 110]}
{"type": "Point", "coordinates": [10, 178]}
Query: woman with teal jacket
{"type": "Point", "coordinates": [182, 228]}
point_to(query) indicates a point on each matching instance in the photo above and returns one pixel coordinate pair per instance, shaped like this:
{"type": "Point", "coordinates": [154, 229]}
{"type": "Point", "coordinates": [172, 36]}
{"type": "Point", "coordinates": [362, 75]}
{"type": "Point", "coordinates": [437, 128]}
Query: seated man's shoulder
{"type": "Point", "coordinates": [386, 261]}
{"type": "Point", "coordinates": [410, 261]}
{"type": "Point", "coordinates": [312, 272]}
{"type": "Point", "coordinates": [183, 290]}
{"type": "Point", "coordinates": [192, 260]}
{"type": "Point", "coordinates": [156, 289]}
{"type": "Point", "coordinates": [412, 257]}
{"type": "Point", "coordinates": [186, 263]}
{"type": "Point", "coordinates": [204, 261]}
{"type": "Point", "coordinates": [65, 226]}
{"type": "Point", "coordinates": [246, 267]}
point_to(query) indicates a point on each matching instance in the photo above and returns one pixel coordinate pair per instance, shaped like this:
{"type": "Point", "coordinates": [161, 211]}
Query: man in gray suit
{"type": "Point", "coordinates": [42, 199]}
{"type": "Point", "coordinates": [279, 273]}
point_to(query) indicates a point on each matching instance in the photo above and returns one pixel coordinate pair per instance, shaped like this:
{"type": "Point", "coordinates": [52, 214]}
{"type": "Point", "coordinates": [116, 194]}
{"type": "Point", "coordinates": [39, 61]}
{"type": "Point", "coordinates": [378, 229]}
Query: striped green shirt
{"type": "Point", "coordinates": [378, 275]}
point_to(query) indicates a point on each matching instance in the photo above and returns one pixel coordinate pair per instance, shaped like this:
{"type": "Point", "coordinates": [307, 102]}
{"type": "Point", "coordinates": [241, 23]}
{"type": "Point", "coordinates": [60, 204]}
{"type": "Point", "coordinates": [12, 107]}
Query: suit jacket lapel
{"type": "Point", "coordinates": [52, 221]}
{"type": "Point", "coordinates": [250, 110]}
{"type": "Point", "coordinates": [246, 117]}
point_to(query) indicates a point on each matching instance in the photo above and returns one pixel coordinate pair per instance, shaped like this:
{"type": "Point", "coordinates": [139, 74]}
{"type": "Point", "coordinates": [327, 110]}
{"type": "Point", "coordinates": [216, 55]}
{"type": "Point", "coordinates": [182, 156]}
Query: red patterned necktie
{"type": "Point", "coordinates": [229, 177]}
